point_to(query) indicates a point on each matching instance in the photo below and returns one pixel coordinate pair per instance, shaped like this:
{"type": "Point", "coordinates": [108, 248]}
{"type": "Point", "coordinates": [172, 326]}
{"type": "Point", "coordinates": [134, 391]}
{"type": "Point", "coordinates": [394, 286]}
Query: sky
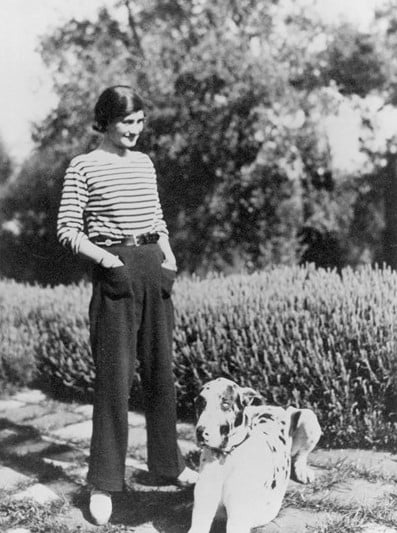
{"type": "Point", "coordinates": [26, 92]}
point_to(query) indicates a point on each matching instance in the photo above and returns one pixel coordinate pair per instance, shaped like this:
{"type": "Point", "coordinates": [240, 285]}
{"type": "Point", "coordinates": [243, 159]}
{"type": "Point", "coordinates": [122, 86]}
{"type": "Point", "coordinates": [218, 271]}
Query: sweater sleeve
{"type": "Point", "coordinates": [70, 224]}
{"type": "Point", "coordinates": [159, 223]}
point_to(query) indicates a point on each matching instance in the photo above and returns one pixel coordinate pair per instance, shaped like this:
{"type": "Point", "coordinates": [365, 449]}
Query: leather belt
{"type": "Point", "coordinates": [131, 240]}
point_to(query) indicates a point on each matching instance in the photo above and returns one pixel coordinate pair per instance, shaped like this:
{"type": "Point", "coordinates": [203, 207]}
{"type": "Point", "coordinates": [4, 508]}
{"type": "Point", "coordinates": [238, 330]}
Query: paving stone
{"type": "Point", "coordinates": [29, 447]}
{"type": "Point", "coordinates": [63, 465]}
{"type": "Point", "coordinates": [85, 410]}
{"type": "Point", "coordinates": [67, 453]}
{"type": "Point", "coordinates": [30, 396]}
{"type": "Point", "coordinates": [10, 478]}
{"type": "Point", "coordinates": [8, 434]}
{"type": "Point", "coordinates": [187, 446]}
{"type": "Point", "coordinates": [6, 405]}
{"type": "Point", "coordinates": [134, 463]}
{"type": "Point", "coordinates": [79, 473]}
{"type": "Point", "coordinates": [291, 520]}
{"type": "Point", "coordinates": [64, 488]}
{"type": "Point", "coordinates": [53, 421]}
{"type": "Point", "coordinates": [27, 412]}
{"type": "Point", "coordinates": [37, 492]}
{"type": "Point", "coordinates": [137, 437]}
{"type": "Point", "coordinates": [75, 432]}
{"type": "Point", "coordinates": [136, 419]}
{"type": "Point", "coordinates": [72, 470]}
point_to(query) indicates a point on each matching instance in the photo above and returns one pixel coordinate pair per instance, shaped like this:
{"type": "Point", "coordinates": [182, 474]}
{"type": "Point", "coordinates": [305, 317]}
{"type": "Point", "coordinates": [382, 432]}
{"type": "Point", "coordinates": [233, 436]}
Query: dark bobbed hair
{"type": "Point", "coordinates": [115, 102]}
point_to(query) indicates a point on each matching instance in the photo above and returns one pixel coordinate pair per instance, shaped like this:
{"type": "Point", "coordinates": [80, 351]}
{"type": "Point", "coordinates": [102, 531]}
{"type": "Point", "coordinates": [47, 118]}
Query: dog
{"type": "Point", "coordinates": [249, 451]}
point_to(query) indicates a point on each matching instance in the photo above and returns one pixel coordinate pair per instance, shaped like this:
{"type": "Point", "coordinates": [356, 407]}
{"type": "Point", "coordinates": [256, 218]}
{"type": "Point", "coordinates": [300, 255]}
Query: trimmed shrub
{"type": "Point", "coordinates": [18, 366]}
{"type": "Point", "coordinates": [44, 334]}
{"type": "Point", "coordinates": [299, 335]}
{"type": "Point", "coordinates": [302, 336]}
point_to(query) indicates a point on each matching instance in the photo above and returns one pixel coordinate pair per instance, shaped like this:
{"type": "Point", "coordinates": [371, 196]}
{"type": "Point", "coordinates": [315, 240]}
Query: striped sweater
{"type": "Point", "coordinates": [111, 196]}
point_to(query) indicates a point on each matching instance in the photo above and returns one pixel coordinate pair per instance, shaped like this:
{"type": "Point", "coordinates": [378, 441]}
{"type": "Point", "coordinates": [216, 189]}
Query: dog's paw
{"type": "Point", "coordinates": [302, 473]}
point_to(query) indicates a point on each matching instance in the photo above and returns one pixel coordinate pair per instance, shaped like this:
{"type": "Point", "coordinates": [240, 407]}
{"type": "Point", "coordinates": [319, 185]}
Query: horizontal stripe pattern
{"type": "Point", "coordinates": [111, 196]}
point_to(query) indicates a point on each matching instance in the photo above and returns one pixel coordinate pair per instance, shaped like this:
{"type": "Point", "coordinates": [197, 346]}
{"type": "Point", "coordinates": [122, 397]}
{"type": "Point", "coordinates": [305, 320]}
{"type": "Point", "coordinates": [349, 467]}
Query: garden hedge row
{"type": "Point", "coordinates": [299, 335]}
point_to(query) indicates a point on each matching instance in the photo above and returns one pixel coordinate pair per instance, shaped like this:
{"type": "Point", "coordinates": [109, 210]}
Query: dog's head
{"type": "Point", "coordinates": [220, 408]}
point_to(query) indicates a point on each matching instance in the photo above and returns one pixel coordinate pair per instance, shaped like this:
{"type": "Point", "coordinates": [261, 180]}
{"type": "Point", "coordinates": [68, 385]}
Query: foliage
{"type": "Point", "coordinates": [237, 93]}
{"type": "Point", "coordinates": [298, 335]}
{"type": "Point", "coordinates": [6, 164]}
{"type": "Point", "coordinates": [17, 345]}
{"type": "Point", "coordinates": [29, 250]}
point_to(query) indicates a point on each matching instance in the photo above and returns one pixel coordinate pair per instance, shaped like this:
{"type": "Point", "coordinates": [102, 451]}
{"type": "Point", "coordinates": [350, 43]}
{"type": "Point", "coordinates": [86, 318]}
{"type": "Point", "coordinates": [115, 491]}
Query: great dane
{"type": "Point", "coordinates": [249, 451]}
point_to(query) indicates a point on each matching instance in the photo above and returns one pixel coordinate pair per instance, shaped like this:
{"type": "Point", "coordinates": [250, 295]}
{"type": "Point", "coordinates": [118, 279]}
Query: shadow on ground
{"type": "Point", "coordinates": [22, 448]}
{"type": "Point", "coordinates": [168, 508]}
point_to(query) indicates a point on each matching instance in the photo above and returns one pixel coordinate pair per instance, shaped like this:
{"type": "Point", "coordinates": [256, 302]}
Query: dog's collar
{"type": "Point", "coordinates": [227, 451]}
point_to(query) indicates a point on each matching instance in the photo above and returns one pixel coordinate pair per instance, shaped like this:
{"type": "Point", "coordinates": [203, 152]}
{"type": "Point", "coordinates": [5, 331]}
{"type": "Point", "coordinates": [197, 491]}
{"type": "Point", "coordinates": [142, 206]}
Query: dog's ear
{"type": "Point", "coordinates": [249, 396]}
{"type": "Point", "coordinates": [295, 416]}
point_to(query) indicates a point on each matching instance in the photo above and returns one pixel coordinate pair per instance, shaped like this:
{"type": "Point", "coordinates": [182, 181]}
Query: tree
{"type": "Point", "coordinates": [380, 182]}
{"type": "Point", "coordinates": [238, 93]}
{"type": "Point", "coordinates": [6, 164]}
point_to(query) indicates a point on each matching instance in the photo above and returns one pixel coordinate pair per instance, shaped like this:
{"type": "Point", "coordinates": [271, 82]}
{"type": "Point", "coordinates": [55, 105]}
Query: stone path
{"type": "Point", "coordinates": [44, 446]}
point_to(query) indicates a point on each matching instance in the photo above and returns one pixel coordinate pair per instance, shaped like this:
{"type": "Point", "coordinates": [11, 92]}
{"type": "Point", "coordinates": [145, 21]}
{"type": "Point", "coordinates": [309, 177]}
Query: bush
{"type": "Point", "coordinates": [49, 340]}
{"type": "Point", "coordinates": [299, 335]}
{"type": "Point", "coordinates": [304, 336]}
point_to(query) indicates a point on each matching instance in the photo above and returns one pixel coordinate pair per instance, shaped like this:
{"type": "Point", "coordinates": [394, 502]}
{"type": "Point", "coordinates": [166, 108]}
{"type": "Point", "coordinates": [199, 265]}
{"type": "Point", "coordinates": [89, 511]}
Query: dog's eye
{"type": "Point", "coordinates": [225, 405]}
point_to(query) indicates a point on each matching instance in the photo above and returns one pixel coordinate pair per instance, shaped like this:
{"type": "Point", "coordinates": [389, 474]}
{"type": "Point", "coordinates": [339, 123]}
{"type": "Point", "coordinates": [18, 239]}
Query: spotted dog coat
{"type": "Point", "coordinates": [248, 452]}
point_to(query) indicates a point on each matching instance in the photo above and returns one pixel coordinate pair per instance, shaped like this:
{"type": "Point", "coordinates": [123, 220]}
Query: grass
{"type": "Point", "coordinates": [34, 516]}
{"type": "Point", "coordinates": [360, 471]}
{"type": "Point", "coordinates": [354, 520]}
{"type": "Point", "coordinates": [346, 516]}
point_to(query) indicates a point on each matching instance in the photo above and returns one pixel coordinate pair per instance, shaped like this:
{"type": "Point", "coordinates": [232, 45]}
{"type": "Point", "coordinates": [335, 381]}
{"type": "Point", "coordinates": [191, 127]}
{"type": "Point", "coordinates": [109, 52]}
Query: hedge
{"type": "Point", "coordinates": [299, 335]}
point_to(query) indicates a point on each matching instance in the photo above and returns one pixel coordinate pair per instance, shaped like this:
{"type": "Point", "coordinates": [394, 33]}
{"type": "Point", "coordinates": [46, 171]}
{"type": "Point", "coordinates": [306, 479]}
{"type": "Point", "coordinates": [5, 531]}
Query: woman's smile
{"type": "Point", "coordinates": [123, 133]}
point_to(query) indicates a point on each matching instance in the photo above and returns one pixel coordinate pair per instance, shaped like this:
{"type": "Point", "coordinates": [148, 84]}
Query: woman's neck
{"type": "Point", "coordinates": [110, 148]}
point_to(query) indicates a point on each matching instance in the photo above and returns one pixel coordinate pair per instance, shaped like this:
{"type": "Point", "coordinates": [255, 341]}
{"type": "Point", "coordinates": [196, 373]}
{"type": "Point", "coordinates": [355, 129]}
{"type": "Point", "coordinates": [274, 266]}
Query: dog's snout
{"type": "Point", "coordinates": [201, 434]}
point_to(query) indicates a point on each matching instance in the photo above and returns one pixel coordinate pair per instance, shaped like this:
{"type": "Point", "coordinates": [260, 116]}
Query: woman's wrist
{"type": "Point", "coordinates": [169, 257]}
{"type": "Point", "coordinates": [110, 261]}
{"type": "Point", "coordinates": [170, 262]}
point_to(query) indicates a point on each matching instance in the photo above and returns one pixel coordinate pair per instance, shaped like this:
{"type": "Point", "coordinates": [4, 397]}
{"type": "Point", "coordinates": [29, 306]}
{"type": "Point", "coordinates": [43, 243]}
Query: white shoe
{"type": "Point", "coordinates": [187, 477]}
{"type": "Point", "coordinates": [100, 506]}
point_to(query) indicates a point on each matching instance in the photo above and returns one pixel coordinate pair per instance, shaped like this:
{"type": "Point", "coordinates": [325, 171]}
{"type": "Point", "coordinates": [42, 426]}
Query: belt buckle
{"type": "Point", "coordinates": [132, 240]}
{"type": "Point", "coordinates": [108, 242]}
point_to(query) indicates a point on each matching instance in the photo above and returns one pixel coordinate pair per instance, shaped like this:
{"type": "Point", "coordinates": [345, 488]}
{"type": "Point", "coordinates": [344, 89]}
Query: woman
{"type": "Point", "coordinates": [110, 213]}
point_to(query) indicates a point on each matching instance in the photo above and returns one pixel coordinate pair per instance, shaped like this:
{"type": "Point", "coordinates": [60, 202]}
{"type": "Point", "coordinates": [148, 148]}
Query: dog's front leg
{"type": "Point", "coordinates": [207, 493]}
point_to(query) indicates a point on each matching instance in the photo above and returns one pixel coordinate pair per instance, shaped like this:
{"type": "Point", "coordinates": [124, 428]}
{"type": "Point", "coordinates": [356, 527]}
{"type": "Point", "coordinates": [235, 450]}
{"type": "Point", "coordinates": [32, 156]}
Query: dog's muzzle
{"type": "Point", "coordinates": [201, 435]}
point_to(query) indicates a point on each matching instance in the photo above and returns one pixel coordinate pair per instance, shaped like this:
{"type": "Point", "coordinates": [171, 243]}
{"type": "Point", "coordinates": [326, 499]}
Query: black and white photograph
{"type": "Point", "coordinates": [198, 266]}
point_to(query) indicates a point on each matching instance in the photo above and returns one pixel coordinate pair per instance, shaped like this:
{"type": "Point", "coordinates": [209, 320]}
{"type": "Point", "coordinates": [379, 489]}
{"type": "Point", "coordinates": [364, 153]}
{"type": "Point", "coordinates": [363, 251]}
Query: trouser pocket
{"type": "Point", "coordinates": [116, 282]}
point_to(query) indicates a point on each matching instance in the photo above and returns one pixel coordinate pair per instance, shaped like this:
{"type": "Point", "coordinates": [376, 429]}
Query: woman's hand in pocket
{"type": "Point", "coordinates": [170, 264]}
{"type": "Point", "coordinates": [111, 261]}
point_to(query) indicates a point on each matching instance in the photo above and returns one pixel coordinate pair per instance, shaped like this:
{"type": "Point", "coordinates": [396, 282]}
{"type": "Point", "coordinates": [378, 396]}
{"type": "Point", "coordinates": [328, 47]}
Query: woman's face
{"type": "Point", "coordinates": [124, 132]}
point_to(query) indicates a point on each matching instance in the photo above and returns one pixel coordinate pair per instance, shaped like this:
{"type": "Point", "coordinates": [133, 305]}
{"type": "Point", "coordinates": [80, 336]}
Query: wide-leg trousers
{"type": "Point", "coordinates": [131, 316]}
